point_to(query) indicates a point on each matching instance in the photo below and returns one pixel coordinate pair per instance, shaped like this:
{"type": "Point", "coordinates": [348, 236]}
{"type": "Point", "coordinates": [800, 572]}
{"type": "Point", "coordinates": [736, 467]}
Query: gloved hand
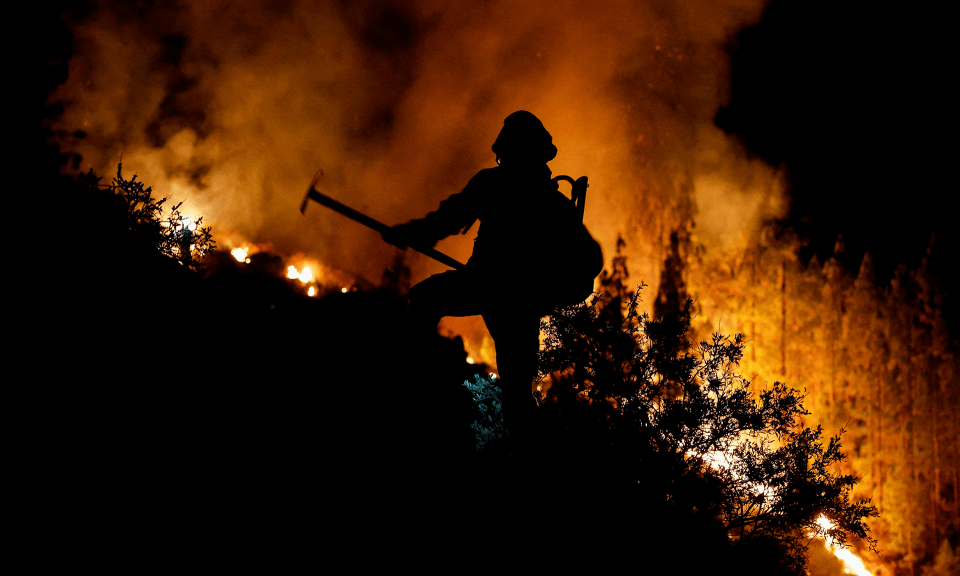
{"type": "Point", "coordinates": [397, 236]}
{"type": "Point", "coordinates": [413, 233]}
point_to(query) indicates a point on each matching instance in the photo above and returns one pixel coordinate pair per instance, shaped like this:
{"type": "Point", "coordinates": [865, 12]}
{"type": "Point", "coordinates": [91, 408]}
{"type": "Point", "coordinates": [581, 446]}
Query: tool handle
{"type": "Point", "coordinates": [369, 222]}
{"type": "Point", "coordinates": [346, 211]}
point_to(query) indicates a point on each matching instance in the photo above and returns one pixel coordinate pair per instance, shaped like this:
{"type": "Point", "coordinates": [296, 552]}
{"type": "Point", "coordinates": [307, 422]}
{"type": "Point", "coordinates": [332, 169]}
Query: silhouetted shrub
{"type": "Point", "coordinates": [487, 425]}
{"type": "Point", "coordinates": [175, 236]}
{"type": "Point", "coordinates": [661, 426]}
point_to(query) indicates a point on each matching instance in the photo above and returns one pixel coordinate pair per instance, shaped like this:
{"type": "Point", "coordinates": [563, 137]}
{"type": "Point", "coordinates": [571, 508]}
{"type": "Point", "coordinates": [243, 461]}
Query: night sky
{"type": "Point", "coordinates": [852, 100]}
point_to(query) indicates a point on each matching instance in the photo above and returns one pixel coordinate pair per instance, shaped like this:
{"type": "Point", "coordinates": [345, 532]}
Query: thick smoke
{"type": "Point", "coordinates": [233, 106]}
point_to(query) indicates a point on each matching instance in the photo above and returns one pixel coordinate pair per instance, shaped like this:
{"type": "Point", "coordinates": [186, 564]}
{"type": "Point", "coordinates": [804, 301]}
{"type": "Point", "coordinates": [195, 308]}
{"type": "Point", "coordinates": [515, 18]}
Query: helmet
{"type": "Point", "coordinates": [523, 137]}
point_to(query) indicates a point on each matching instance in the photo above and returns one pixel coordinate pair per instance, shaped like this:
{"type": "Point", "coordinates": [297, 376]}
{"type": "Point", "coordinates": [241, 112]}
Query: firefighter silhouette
{"type": "Point", "coordinates": [531, 255]}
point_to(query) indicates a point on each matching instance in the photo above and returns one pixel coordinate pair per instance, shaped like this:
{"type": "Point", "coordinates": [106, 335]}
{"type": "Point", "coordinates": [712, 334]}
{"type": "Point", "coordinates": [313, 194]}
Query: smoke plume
{"type": "Point", "coordinates": [233, 106]}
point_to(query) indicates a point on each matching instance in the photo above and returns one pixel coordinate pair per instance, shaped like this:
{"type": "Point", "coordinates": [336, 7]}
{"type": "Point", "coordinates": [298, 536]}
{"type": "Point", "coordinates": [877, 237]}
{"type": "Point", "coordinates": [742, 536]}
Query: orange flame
{"type": "Point", "coordinates": [852, 564]}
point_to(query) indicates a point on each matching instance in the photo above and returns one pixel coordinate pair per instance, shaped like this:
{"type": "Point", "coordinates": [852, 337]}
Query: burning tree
{"type": "Point", "coordinates": [686, 430]}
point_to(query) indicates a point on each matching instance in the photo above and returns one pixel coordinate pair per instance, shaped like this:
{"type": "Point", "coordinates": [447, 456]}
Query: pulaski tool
{"type": "Point", "coordinates": [315, 195]}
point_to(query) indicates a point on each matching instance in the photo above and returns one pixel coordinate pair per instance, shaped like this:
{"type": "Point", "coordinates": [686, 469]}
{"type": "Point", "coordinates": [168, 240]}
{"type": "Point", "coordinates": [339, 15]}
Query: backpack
{"type": "Point", "coordinates": [581, 258]}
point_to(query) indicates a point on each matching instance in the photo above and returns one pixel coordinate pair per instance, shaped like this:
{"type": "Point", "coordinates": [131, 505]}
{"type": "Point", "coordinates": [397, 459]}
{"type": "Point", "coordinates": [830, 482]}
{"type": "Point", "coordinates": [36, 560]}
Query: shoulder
{"type": "Point", "coordinates": [486, 177]}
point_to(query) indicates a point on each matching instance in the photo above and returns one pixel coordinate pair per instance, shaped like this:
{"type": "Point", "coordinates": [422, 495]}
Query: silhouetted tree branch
{"type": "Point", "coordinates": [175, 235]}
{"type": "Point", "coordinates": [687, 427]}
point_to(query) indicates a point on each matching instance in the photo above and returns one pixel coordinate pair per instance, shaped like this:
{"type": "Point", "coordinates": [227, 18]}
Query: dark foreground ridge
{"type": "Point", "coordinates": [259, 423]}
{"type": "Point", "coordinates": [230, 412]}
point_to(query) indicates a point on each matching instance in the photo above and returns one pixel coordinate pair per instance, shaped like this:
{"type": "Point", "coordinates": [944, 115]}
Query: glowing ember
{"type": "Point", "coordinates": [312, 291]}
{"type": "Point", "coordinates": [469, 360]}
{"type": "Point", "coordinates": [240, 254]}
{"type": "Point", "coordinates": [292, 272]}
{"type": "Point", "coordinates": [306, 275]}
{"type": "Point", "coordinates": [343, 290]}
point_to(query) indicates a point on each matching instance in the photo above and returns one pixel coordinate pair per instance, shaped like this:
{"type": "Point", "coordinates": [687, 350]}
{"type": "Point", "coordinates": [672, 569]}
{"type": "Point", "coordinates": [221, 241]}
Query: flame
{"type": "Point", "coordinates": [306, 275]}
{"type": "Point", "coordinates": [315, 277]}
{"type": "Point", "coordinates": [722, 460]}
{"type": "Point", "coordinates": [852, 564]}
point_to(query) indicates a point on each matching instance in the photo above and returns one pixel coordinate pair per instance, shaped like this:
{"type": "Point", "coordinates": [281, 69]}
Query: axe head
{"type": "Point", "coordinates": [313, 184]}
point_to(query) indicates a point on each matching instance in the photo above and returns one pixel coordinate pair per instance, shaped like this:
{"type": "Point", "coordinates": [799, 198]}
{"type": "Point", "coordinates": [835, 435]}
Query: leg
{"type": "Point", "coordinates": [446, 294]}
{"type": "Point", "coordinates": [514, 328]}
{"type": "Point", "coordinates": [516, 335]}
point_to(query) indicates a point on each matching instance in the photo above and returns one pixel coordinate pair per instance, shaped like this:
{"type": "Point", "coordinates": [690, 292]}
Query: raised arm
{"type": "Point", "coordinates": [454, 214]}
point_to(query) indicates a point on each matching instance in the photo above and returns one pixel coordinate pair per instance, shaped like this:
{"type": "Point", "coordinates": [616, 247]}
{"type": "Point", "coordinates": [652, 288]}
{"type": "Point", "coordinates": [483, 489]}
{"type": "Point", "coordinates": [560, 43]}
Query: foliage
{"type": "Point", "coordinates": [721, 449]}
{"type": "Point", "coordinates": [487, 424]}
{"type": "Point", "coordinates": [874, 354]}
{"type": "Point", "coordinates": [175, 235]}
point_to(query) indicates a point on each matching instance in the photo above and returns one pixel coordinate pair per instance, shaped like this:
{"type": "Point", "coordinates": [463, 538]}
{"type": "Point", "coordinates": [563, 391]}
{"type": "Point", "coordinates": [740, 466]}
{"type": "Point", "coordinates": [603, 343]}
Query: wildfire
{"type": "Point", "coordinates": [241, 255]}
{"type": "Point", "coordinates": [305, 275]}
{"type": "Point", "coordinates": [314, 277]}
{"type": "Point", "coordinates": [852, 564]}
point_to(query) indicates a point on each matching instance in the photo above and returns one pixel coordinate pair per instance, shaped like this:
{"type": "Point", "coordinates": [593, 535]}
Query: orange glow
{"type": "Point", "coordinates": [306, 275]}
{"type": "Point", "coordinates": [236, 133]}
{"type": "Point", "coordinates": [852, 564]}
